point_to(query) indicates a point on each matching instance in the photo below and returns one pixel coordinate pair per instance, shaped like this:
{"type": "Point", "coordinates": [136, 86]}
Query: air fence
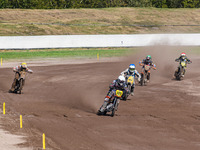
{"type": "Point", "coordinates": [90, 41]}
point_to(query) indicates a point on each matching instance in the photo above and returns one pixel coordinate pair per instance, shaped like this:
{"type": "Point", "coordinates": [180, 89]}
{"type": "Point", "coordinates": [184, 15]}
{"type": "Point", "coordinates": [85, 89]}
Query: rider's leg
{"type": "Point", "coordinates": [103, 107]}
{"type": "Point", "coordinates": [106, 100]}
{"type": "Point", "coordinates": [23, 83]}
{"type": "Point", "coordinates": [132, 89]}
{"type": "Point", "coordinates": [14, 82]}
{"type": "Point", "coordinates": [13, 85]}
{"type": "Point", "coordinates": [184, 70]}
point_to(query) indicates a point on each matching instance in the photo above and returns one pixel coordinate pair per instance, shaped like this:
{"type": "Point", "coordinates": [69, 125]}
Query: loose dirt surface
{"type": "Point", "coordinates": [62, 100]}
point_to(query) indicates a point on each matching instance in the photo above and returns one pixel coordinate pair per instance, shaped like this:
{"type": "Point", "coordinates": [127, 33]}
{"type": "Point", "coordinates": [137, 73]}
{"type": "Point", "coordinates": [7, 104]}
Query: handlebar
{"type": "Point", "coordinates": [141, 64]}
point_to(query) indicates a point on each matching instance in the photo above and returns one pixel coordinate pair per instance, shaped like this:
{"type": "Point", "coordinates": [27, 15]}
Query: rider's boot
{"type": "Point", "coordinates": [183, 73]}
{"type": "Point", "coordinates": [132, 90]}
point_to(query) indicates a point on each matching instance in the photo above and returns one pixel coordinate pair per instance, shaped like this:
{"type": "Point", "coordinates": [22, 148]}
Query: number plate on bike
{"type": "Point", "coordinates": [119, 93]}
{"type": "Point", "coordinates": [147, 67]}
{"type": "Point", "coordinates": [130, 79]}
{"type": "Point", "coordinates": [183, 64]}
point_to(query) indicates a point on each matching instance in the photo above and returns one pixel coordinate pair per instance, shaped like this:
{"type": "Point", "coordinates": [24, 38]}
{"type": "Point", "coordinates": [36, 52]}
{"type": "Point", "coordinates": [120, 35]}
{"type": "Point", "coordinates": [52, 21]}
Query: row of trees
{"type": "Point", "coordinates": [59, 4]}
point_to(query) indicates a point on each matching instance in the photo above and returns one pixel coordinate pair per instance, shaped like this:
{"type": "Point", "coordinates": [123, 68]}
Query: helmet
{"type": "Point", "coordinates": [131, 68]}
{"type": "Point", "coordinates": [148, 57]}
{"type": "Point", "coordinates": [121, 80]}
{"type": "Point", "coordinates": [24, 65]}
{"type": "Point", "coordinates": [183, 54]}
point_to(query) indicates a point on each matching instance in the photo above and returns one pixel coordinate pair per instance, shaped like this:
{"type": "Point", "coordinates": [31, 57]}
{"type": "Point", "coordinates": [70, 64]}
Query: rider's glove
{"type": "Point", "coordinates": [177, 60]}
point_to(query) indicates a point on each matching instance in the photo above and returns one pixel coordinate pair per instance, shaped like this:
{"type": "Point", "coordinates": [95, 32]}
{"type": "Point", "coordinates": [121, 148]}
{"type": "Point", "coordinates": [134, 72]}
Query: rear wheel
{"type": "Point", "coordinates": [113, 112]}
{"type": "Point", "coordinates": [179, 74]}
{"type": "Point", "coordinates": [142, 80]}
{"type": "Point", "coordinates": [114, 108]}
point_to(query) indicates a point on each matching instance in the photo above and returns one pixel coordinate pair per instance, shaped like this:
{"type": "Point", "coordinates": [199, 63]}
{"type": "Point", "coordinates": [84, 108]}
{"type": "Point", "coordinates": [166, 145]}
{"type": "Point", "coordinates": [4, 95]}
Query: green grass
{"type": "Point", "coordinates": [66, 53]}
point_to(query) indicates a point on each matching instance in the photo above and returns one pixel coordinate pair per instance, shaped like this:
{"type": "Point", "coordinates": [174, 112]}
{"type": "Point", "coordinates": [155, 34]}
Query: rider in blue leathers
{"type": "Point", "coordinates": [131, 71]}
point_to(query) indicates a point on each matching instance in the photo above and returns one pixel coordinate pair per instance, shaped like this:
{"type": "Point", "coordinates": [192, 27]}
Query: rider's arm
{"type": "Point", "coordinates": [141, 63]}
{"type": "Point", "coordinates": [29, 70]}
{"type": "Point", "coordinates": [154, 66]}
{"type": "Point", "coordinates": [112, 84]}
{"type": "Point", "coordinates": [137, 74]}
{"type": "Point", "coordinates": [177, 59]}
{"type": "Point", "coordinates": [188, 60]}
{"type": "Point", "coordinates": [16, 69]}
{"type": "Point", "coordinates": [123, 73]}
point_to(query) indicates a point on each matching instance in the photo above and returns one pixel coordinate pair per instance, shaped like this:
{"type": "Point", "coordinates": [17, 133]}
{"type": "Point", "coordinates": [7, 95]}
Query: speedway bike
{"type": "Point", "coordinates": [144, 74]}
{"type": "Point", "coordinates": [19, 82]}
{"type": "Point", "coordinates": [179, 73]}
{"type": "Point", "coordinates": [113, 103]}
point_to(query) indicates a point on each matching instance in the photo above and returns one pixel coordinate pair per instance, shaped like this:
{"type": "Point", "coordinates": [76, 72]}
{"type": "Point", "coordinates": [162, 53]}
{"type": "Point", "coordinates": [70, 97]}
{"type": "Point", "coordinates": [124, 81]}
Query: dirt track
{"type": "Point", "coordinates": [61, 101]}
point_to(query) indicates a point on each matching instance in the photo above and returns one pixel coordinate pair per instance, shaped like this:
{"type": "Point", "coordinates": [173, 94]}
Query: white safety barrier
{"type": "Point", "coordinates": [120, 40]}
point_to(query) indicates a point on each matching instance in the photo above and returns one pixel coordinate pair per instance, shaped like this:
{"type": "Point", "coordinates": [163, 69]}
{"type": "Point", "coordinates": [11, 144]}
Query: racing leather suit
{"type": "Point", "coordinates": [134, 74]}
{"type": "Point", "coordinates": [17, 71]}
{"type": "Point", "coordinates": [180, 59]}
{"type": "Point", "coordinates": [147, 62]}
{"type": "Point", "coordinates": [115, 85]}
{"type": "Point", "coordinates": [183, 59]}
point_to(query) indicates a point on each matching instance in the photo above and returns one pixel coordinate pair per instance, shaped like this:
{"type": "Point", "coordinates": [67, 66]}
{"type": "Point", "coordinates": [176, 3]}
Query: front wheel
{"type": "Point", "coordinates": [114, 107]}
{"type": "Point", "coordinates": [99, 113]}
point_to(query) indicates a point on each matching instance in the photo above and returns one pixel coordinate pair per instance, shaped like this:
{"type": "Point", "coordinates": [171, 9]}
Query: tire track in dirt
{"type": "Point", "coordinates": [61, 101]}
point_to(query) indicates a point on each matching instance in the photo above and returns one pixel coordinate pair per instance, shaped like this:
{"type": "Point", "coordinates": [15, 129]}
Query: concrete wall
{"type": "Point", "coordinates": [72, 41]}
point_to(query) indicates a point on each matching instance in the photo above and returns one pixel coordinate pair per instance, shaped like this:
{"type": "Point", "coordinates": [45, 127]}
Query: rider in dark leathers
{"type": "Point", "coordinates": [118, 84]}
{"type": "Point", "coordinates": [182, 57]}
{"type": "Point", "coordinates": [148, 61]}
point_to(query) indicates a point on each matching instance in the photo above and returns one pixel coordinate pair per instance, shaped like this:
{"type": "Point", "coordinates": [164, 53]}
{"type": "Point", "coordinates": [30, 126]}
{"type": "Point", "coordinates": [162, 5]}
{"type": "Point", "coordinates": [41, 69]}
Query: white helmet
{"type": "Point", "coordinates": [121, 78]}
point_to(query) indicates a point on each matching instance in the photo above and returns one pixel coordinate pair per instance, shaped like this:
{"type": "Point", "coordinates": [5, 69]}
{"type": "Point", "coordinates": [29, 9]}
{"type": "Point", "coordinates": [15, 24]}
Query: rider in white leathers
{"type": "Point", "coordinates": [131, 71]}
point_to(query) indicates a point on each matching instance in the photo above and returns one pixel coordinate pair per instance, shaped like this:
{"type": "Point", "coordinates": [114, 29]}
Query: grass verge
{"type": "Point", "coordinates": [97, 21]}
{"type": "Point", "coordinates": [66, 53]}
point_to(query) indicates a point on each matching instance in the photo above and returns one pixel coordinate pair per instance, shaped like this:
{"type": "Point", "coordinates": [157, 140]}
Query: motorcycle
{"type": "Point", "coordinates": [144, 74]}
{"type": "Point", "coordinates": [129, 82]}
{"type": "Point", "coordinates": [179, 74]}
{"type": "Point", "coordinates": [19, 82]}
{"type": "Point", "coordinates": [112, 105]}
